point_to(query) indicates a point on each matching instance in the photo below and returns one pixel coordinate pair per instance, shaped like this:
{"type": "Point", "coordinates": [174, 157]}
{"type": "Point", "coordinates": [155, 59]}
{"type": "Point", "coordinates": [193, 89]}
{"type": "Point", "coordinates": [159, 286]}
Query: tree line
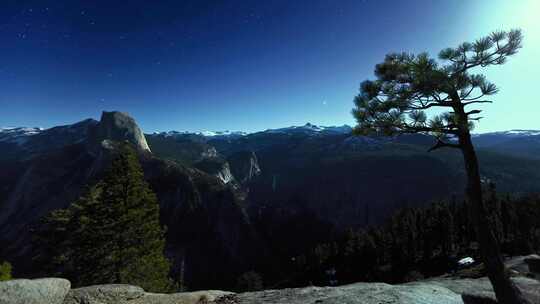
{"type": "Point", "coordinates": [422, 242]}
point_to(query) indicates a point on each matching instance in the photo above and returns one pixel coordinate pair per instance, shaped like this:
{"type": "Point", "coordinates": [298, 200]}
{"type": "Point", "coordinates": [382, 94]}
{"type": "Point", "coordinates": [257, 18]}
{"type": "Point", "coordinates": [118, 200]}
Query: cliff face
{"type": "Point", "coordinates": [244, 166]}
{"type": "Point", "coordinates": [118, 126]}
{"type": "Point", "coordinates": [217, 167]}
{"type": "Point", "coordinates": [40, 184]}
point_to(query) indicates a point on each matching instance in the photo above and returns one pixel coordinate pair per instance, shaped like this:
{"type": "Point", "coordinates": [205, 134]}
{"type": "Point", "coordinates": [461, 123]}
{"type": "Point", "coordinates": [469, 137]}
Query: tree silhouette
{"type": "Point", "coordinates": [409, 86]}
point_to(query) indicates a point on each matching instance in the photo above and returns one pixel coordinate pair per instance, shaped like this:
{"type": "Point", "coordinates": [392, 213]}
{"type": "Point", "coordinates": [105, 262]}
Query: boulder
{"type": "Point", "coordinates": [104, 294]}
{"type": "Point", "coordinates": [39, 291]}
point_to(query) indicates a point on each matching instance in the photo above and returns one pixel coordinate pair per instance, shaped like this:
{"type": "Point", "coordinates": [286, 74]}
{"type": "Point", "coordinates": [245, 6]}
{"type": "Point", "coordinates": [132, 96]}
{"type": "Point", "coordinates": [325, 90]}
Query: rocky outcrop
{"type": "Point", "coordinates": [128, 294]}
{"type": "Point", "coordinates": [439, 291]}
{"type": "Point", "coordinates": [360, 293]}
{"type": "Point", "coordinates": [225, 174]}
{"type": "Point", "coordinates": [244, 166]}
{"type": "Point", "coordinates": [104, 294]}
{"type": "Point", "coordinates": [57, 291]}
{"type": "Point", "coordinates": [118, 127]}
{"type": "Point", "coordinates": [478, 290]}
{"type": "Point", "coordinates": [40, 291]}
{"type": "Point", "coordinates": [218, 168]}
{"type": "Point", "coordinates": [209, 152]}
{"type": "Point", "coordinates": [196, 297]}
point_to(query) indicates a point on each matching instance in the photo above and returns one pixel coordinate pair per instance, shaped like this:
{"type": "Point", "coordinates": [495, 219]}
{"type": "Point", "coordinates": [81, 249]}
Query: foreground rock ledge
{"type": "Point", "coordinates": [40, 291]}
{"type": "Point", "coordinates": [436, 291]}
{"type": "Point", "coordinates": [128, 294]}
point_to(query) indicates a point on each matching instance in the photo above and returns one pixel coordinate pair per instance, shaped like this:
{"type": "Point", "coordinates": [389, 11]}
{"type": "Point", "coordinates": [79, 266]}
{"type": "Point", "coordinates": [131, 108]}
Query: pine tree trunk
{"type": "Point", "coordinates": [505, 290]}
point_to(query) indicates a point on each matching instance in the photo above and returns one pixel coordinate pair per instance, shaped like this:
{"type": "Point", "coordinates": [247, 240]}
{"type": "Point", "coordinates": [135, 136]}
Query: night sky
{"type": "Point", "coordinates": [238, 65]}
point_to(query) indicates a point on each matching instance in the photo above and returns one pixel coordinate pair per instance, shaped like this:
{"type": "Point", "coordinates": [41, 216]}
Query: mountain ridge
{"type": "Point", "coordinates": [6, 132]}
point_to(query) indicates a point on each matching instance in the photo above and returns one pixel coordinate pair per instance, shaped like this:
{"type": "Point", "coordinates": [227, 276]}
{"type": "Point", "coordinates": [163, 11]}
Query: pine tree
{"type": "Point", "coordinates": [409, 86]}
{"type": "Point", "coordinates": [128, 220]}
{"type": "Point", "coordinates": [112, 233]}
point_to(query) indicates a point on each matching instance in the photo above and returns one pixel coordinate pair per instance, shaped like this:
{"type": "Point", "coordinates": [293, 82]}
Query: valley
{"type": "Point", "coordinates": [234, 195]}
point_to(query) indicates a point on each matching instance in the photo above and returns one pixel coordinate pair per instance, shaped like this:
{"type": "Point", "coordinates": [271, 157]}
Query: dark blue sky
{"type": "Point", "coordinates": [213, 65]}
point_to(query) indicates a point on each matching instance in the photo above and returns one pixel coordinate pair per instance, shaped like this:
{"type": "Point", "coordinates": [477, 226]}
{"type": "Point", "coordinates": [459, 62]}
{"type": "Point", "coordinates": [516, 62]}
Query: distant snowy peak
{"type": "Point", "coordinates": [17, 135]}
{"type": "Point", "coordinates": [20, 130]}
{"type": "Point", "coordinates": [204, 133]}
{"type": "Point", "coordinates": [222, 133]}
{"type": "Point", "coordinates": [305, 129]}
{"type": "Point", "coordinates": [314, 129]}
{"type": "Point", "coordinates": [521, 133]}
{"type": "Point", "coordinates": [512, 133]}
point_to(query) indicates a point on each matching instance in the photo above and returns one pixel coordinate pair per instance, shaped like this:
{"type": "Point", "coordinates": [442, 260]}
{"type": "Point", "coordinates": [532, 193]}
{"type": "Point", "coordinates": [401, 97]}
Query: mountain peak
{"type": "Point", "coordinates": [310, 128]}
{"type": "Point", "coordinates": [17, 135]}
{"type": "Point", "coordinates": [511, 133]}
{"type": "Point", "coordinates": [119, 126]}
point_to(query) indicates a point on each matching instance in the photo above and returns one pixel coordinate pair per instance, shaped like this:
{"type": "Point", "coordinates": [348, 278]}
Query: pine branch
{"type": "Point", "coordinates": [473, 112]}
{"type": "Point", "coordinates": [431, 105]}
{"type": "Point", "coordinates": [442, 144]}
{"type": "Point", "coordinates": [476, 101]}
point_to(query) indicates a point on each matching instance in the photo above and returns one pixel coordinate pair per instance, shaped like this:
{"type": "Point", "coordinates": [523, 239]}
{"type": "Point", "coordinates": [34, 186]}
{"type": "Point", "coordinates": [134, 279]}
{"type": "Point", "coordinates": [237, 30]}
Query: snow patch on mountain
{"type": "Point", "coordinates": [313, 129]}
{"type": "Point", "coordinates": [305, 129]}
{"type": "Point", "coordinates": [17, 135]}
{"type": "Point", "coordinates": [204, 133]}
{"type": "Point", "coordinates": [511, 133]}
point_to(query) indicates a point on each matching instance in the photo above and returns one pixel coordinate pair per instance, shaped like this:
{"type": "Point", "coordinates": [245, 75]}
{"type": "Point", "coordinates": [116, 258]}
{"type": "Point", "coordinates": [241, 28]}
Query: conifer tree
{"type": "Point", "coordinates": [128, 219]}
{"type": "Point", "coordinates": [111, 234]}
{"type": "Point", "coordinates": [409, 86]}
